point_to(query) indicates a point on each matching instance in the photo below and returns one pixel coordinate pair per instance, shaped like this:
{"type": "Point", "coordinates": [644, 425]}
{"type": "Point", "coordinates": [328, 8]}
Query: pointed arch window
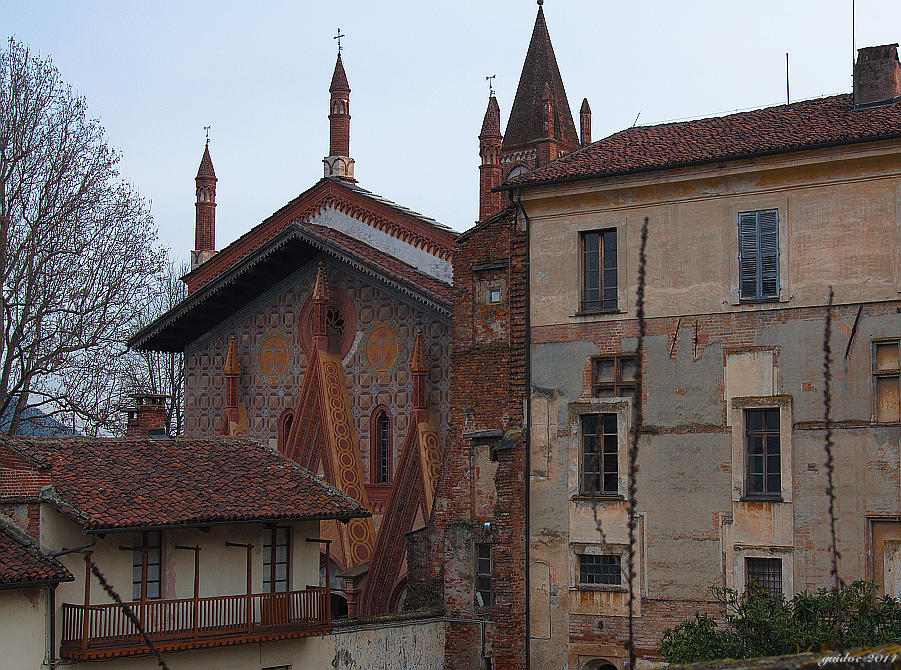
{"type": "Point", "coordinates": [381, 453]}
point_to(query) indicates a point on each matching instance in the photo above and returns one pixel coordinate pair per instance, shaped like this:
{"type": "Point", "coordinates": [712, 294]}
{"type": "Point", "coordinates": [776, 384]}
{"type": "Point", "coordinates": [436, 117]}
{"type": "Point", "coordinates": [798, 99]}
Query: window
{"type": "Point", "coordinates": [764, 471]}
{"type": "Point", "coordinates": [483, 574]}
{"type": "Point", "coordinates": [146, 566]}
{"type": "Point", "coordinates": [758, 255]}
{"type": "Point", "coordinates": [600, 569]}
{"type": "Point", "coordinates": [276, 559]}
{"type": "Point", "coordinates": [600, 471]}
{"type": "Point", "coordinates": [766, 573]}
{"type": "Point", "coordinates": [599, 270]}
{"type": "Point", "coordinates": [887, 381]}
{"type": "Point", "coordinates": [383, 437]}
{"type": "Point", "coordinates": [614, 376]}
{"type": "Point", "coordinates": [494, 296]}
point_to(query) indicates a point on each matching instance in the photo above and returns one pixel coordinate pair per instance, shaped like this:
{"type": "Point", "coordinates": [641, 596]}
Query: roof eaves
{"type": "Point", "coordinates": [512, 186]}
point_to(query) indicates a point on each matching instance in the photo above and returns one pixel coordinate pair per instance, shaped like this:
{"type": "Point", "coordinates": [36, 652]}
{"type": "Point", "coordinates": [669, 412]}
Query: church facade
{"type": "Point", "coordinates": [324, 332]}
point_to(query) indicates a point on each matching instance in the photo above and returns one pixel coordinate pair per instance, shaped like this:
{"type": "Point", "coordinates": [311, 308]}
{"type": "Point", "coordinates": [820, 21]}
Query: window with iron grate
{"type": "Point", "coordinates": [600, 569]}
{"type": "Point", "coordinates": [765, 573]}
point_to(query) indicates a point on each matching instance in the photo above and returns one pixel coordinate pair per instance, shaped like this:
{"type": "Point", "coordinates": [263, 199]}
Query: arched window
{"type": "Point", "coordinates": [380, 454]}
{"type": "Point", "coordinates": [284, 429]}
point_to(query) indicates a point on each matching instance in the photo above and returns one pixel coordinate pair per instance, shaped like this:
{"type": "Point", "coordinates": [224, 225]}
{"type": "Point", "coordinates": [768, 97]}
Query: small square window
{"type": "Point", "coordinates": [765, 573]}
{"type": "Point", "coordinates": [887, 381]}
{"type": "Point", "coordinates": [494, 296]}
{"type": "Point", "coordinates": [600, 569]}
{"type": "Point", "coordinates": [483, 574]}
{"type": "Point", "coordinates": [614, 376]}
{"type": "Point", "coordinates": [764, 460]}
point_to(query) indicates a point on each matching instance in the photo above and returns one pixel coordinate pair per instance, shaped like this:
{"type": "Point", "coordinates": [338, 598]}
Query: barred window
{"type": "Point", "coordinates": [765, 573]}
{"type": "Point", "coordinates": [600, 458]}
{"type": "Point", "coordinates": [600, 569]}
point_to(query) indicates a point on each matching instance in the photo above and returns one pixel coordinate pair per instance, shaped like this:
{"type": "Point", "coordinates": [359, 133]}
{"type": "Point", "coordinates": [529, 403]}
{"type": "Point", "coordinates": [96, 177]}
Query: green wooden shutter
{"type": "Point", "coordinates": [747, 255]}
{"type": "Point", "coordinates": [768, 230]}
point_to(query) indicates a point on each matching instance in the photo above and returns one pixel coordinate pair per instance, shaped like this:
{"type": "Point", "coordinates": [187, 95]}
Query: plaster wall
{"type": "Point", "coordinates": [23, 627]}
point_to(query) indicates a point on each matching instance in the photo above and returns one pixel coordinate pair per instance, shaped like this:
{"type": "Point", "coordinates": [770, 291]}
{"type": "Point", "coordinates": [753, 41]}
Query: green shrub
{"type": "Point", "coordinates": [756, 623]}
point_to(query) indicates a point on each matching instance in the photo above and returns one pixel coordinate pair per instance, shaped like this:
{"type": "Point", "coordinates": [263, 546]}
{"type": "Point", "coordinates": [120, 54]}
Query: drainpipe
{"type": "Point", "coordinates": [528, 415]}
{"type": "Point", "coordinates": [51, 633]}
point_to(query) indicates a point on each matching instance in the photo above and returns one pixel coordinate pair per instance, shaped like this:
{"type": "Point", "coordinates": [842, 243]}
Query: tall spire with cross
{"type": "Point", "coordinates": [204, 208]}
{"type": "Point", "coordinates": [339, 163]}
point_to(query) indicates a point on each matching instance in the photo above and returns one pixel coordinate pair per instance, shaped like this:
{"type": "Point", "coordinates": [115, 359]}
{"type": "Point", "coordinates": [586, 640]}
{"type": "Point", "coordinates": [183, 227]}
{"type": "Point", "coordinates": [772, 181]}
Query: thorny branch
{"type": "Point", "coordinates": [126, 610]}
{"type": "Point", "coordinates": [636, 432]}
{"type": "Point", "coordinates": [837, 583]}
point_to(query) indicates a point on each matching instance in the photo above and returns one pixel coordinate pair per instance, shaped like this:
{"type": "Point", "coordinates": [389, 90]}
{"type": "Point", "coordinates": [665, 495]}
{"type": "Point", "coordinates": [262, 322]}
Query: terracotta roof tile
{"type": "Point", "coordinates": [772, 130]}
{"type": "Point", "coordinates": [22, 562]}
{"type": "Point", "coordinates": [128, 482]}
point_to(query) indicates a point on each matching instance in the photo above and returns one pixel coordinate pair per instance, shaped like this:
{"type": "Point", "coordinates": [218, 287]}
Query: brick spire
{"type": "Point", "coordinates": [419, 368]}
{"type": "Point", "coordinates": [232, 372]}
{"type": "Point", "coordinates": [339, 163]}
{"type": "Point", "coordinates": [490, 140]}
{"type": "Point", "coordinates": [204, 210]}
{"type": "Point", "coordinates": [526, 124]}
{"type": "Point", "coordinates": [320, 310]}
{"type": "Point", "coordinates": [585, 123]}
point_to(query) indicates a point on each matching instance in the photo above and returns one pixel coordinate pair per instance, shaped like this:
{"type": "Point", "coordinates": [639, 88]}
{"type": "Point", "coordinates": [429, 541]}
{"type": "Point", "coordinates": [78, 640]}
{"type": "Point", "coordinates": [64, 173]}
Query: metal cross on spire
{"type": "Point", "coordinates": [206, 129]}
{"type": "Point", "coordinates": [338, 37]}
{"type": "Point", "coordinates": [490, 81]}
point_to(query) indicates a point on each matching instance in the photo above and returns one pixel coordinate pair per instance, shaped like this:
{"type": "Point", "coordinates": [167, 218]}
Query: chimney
{"type": "Point", "coordinates": [877, 76]}
{"type": "Point", "coordinates": [585, 123]}
{"type": "Point", "coordinates": [147, 416]}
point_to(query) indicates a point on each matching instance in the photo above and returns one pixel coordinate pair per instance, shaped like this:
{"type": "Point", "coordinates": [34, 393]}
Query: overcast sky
{"type": "Point", "coordinates": [156, 72]}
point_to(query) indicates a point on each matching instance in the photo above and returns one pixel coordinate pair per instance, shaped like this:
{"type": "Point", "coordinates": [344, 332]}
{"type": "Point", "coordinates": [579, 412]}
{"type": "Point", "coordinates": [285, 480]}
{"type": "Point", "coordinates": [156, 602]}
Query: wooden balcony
{"type": "Point", "coordinates": [105, 631]}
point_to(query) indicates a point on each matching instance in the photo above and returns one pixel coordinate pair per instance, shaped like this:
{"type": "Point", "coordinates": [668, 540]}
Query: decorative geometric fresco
{"type": "Point", "coordinates": [273, 360]}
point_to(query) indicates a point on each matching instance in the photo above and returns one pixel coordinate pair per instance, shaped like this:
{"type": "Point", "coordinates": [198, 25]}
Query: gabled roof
{"type": "Point", "coordinates": [296, 245]}
{"type": "Point", "coordinates": [374, 210]}
{"type": "Point", "coordinates": [23, 564]}
{"type": "Point", "coordinates": [802, 125]}
{"type": "Point", "coordinates": [539, 71]}
{"type": "Point", "coordinates": [119, 484]}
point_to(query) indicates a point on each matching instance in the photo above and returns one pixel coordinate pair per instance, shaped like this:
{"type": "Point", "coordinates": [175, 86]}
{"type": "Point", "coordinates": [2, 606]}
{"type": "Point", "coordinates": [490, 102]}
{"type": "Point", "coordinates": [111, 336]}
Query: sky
{"type": "Point", "coordinates": [155, 73]}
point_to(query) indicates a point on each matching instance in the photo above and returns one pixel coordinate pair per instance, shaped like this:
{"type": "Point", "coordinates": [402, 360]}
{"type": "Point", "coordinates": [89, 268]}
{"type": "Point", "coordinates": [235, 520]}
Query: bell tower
{"type": "Point", "coordinates": [205, 210]}
{"type": "Point", "coordinates": [339, 163]}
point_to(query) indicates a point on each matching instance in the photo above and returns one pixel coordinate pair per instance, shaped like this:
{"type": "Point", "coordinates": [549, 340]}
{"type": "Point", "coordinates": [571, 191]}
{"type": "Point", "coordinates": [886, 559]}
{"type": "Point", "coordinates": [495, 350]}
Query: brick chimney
{"type": "Point", "coordinates": [877, 76]}
{"type": "Point", "coordinates": [147, 415]}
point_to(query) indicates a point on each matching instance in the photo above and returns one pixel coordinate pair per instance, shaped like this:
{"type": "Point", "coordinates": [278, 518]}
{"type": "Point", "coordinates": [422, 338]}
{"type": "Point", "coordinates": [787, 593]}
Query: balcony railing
{"type": "Point", "coordinates": [102, 631]}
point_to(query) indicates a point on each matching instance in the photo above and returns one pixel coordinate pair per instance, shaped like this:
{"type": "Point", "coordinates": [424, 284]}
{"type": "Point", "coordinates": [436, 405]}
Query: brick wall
{"type": "Point", "coordinates": [488, 377]}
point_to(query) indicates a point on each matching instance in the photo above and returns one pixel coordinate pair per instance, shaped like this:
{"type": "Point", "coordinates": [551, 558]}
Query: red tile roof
{"type": "Point", "coordinates": [21, 560]}
{"type": "Point", "coordinates": [125, 483]}
{"type": "Point", "coordinates": [773, 130]}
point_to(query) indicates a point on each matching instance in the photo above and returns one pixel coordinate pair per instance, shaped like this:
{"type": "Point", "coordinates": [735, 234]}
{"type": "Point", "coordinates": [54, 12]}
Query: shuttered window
{"type": "Point", "coordinates": [758, 255]}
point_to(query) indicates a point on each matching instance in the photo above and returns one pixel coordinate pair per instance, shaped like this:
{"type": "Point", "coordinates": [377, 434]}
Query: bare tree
{"type": "Point", "coordinates": [159, 372]}
{"type": "Point", "coordinates": [76, 249]}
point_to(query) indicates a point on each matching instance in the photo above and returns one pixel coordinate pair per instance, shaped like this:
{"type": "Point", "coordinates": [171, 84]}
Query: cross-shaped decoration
{"type": "Point", "coordinates": [206, 129]}
{"type": "Point", "coordinates": [490, 81]}
{"type": "Point", "coordinates": [338, 37]}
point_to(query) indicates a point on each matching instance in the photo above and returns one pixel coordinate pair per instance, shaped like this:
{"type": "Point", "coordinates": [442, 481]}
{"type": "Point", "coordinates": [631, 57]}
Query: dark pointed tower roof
{"type": "Point", "coordinates": [539, 70]}
{"type": "Point", "coordinates": [491, 124]}
{"type": "Point", "coordinates": [206, 165]}
{"type": "Point", "coordinates": [586, 108]}
{"type": "Point", "coordinates": [339, 78]}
